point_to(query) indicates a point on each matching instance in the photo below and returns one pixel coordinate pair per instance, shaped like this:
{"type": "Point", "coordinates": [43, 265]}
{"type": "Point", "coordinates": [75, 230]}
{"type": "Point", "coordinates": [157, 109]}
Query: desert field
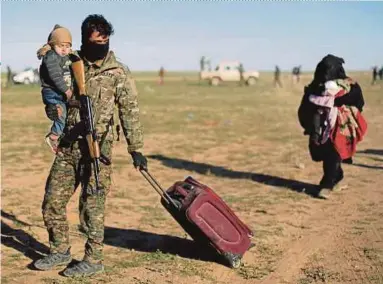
{"type": "Point", "coordinates": [244, 142]}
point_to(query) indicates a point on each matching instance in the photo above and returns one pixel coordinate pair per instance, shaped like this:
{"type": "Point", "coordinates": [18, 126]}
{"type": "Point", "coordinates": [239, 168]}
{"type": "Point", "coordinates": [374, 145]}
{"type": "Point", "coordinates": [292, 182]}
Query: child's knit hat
{"type": "Point", "coordinates": [59, 34]}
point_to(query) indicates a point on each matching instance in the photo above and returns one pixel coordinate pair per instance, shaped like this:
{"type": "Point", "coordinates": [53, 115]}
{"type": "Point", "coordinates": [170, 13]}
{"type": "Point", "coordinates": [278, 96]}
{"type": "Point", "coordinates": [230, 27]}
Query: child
{"type": "Point", "coordinates": [56, 80]}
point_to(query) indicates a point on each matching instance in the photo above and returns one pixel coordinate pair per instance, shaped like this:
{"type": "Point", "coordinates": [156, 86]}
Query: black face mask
{"type": "Point", "coordinates": [93, 51]}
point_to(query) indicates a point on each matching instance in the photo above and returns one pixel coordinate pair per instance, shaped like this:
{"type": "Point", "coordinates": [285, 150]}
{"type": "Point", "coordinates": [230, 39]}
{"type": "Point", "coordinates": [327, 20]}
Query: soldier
{"type": "Point", "coordinates": [9, 76]}
{"type": "Point", "coordinates": [108, 83]}
{"type": "Point", "coordinates": [296, 74]}
{"type": "Point", "coordinates": [202, 64]}
{"type": "Point", "coordinates": [374, 74]}
{"type": "Point", "coordinates": [241, 70]}
{"type": "Point", "coordinates": [277, 77]}
{"type": "Point", "coordinates": [161, 74]}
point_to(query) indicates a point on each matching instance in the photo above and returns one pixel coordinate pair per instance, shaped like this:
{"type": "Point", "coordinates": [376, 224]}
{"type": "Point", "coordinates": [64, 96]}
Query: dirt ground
{"type": "Point", "coordinates": [246, 143]}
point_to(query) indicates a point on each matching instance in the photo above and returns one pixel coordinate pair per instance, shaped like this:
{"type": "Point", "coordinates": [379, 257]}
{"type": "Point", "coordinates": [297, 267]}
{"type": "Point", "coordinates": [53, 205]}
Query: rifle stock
{"type": "Point", "coordinates": [79, 76]}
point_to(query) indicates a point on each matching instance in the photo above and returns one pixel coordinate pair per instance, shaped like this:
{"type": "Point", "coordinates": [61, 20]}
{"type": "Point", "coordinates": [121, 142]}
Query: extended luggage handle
{"type": "Point", "coordinates": [157, 187]}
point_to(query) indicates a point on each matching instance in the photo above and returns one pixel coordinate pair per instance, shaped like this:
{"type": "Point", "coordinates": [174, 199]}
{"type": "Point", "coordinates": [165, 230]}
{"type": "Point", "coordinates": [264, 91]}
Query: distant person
{"type": "Point", "coordinates": [330, 113]}
{"type": "Point", "coordinates": [374, 74]}
{"type": "Point", "coordinates": [277, 77]}
{"type": "Point", "coordinates": [9, 76]}
{"type": "Point", "coordinates": [296, 74]}
{"type": "Point", "coordinates": [56, 80]}
{"type": "Point", "coordinates": [380, 73]}
{"type": "Point", "coordinates": [241, 70]}
{"type": "Point", "coordinates": [161, 74]}
{"type": "Point", "coordinates": [202, 64]}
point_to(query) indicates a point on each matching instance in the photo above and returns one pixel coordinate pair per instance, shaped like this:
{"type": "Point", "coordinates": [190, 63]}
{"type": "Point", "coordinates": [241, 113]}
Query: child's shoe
{"type": "Point", "coordinates": [53, 144]}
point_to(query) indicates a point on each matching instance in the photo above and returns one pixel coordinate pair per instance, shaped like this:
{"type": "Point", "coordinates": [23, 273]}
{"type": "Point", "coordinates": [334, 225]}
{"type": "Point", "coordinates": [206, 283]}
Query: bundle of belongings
{"type": "Point", "coordinates": [343, 124]}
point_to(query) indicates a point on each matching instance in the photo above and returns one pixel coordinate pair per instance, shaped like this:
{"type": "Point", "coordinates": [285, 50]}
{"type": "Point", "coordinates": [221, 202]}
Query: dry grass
{"type": "Point", "coordinates": [244, 142]}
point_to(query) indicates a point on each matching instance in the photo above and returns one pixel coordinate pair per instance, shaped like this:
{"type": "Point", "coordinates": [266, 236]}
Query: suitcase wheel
{"type": "Point", "coordinates": [233, 259]}
{"type": "Point", "coordinates": [236, 263]}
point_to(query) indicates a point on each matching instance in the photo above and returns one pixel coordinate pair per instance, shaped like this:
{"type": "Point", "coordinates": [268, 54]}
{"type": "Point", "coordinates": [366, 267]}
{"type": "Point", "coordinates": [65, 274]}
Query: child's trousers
{"type": "Point", "coordinates": [50, 96]}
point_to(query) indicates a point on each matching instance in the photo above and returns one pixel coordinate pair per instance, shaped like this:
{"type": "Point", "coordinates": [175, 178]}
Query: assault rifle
{"type": "Point", "coordinates": [86, 115]}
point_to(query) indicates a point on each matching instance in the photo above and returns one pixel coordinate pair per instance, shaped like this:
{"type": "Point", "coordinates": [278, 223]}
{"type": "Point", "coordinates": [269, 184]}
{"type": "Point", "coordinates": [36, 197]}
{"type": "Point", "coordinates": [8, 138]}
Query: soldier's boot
{"type": "Point", "coordinates": [83, 269]}
{"type": "Point", "coordinates": [53, 260]}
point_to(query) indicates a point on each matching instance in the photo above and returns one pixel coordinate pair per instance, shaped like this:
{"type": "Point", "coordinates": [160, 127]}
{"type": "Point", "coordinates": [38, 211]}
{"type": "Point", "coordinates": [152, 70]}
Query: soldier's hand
{"type": "Point", "coordinates": [43, 50]}
{"type": "Point", "coordinates": [139, 161]}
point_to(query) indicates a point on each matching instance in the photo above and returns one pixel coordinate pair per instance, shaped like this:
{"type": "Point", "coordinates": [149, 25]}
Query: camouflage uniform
{"type": "Point", "coordinates": [110, 85]}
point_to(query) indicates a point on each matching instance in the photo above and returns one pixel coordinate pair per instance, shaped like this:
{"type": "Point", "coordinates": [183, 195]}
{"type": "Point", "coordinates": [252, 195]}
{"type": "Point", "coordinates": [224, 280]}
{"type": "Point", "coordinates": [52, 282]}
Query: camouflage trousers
{"type": "Point", "coordinates": [68, 172]}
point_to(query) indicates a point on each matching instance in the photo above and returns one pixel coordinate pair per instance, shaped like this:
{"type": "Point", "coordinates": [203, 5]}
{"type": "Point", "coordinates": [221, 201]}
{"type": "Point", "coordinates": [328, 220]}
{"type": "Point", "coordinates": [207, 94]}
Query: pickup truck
{"type": "Point", "coordinates": [28, 76]}
{"type": "Point", "coordinates": [229, 72]}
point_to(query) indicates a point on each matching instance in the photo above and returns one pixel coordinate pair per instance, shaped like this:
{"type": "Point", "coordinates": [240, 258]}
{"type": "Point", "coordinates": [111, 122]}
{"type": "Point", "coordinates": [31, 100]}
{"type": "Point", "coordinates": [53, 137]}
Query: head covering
{"type": "Point", "coordinates": [329, 68]}
{"type": "Point", "coordinates": [59, 34]}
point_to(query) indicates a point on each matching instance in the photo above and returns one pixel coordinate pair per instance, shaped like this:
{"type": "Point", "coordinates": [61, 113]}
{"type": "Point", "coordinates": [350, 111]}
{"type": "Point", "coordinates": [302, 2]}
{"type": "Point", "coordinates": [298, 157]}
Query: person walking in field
{"type": "Point", "coordinates": [161, 74]}
{"type": "Point", "coordinates": [241, 70]}
{"type": "Point", "coordinates": [277, 77]}
{"type": "Point", "coordinates": [9, 77]}
{"type": "Point", "coordinates": [330, 113]}
{"type": "Point", "coordinates": [296, 73]}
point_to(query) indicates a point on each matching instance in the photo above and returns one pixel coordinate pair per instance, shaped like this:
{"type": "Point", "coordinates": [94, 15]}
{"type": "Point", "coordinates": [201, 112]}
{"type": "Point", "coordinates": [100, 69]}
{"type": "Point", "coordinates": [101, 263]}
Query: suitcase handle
{"type": "Point", "coordinates": [157, 187]}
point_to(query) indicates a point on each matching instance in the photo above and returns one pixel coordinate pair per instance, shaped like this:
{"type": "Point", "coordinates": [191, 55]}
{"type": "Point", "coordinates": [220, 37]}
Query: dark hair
{"type": "Point", "coordinates": [329, 68]}
{"type": "Point", "coordinates": [94, 23]}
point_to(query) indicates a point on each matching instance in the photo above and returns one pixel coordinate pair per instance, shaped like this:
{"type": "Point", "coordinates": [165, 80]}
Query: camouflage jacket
{"type": "Point", "coordinates": [111, 85]}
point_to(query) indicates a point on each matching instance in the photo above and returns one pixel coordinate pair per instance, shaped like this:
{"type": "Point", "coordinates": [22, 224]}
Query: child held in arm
{"type": "Point", "coordinates": [56, 80]}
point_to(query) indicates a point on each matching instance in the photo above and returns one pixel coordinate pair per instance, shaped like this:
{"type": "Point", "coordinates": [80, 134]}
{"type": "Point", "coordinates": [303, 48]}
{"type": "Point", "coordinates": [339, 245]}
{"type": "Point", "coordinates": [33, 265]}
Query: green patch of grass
{"type": "Point", "coordinates": [373, 254]}
{"type": "Point", "coordinates": [48, 280]}
{"type": "Point", "coordinates": [6, 280]}
{"type": "Point", "coordinates": [317, 274]}
{"type": "Point", "coordinates": [139, 281]}
{"type": "Point", "coordinates": [13, 259]}
{"type": "Point", "coordinates": [231, 199]}
{"type": "Point", "coordinates": [160, 261]}
{"type": "Point", "coordinates": [122, 194]}
{"type": "Point", "coordinates": [267, 257]}
{"type": "Point", "coordinates": [255, 272]}
{"type": "Point", "coordinates": [375, 278]}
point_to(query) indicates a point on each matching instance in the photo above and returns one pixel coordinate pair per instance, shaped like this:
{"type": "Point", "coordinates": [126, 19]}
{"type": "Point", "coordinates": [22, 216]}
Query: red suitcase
{"type": "Point", "coordinates": [205, 217]}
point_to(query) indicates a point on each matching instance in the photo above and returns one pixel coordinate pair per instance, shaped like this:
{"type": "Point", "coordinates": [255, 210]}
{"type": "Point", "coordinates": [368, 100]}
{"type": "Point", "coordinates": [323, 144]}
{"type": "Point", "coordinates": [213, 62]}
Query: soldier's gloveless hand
{"type": "Point", "coordinates": [139, 160]}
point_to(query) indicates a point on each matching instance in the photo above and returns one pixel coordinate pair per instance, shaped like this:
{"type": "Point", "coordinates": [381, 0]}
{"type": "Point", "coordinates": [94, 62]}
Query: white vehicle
{"type": "Point", "coordinates": [28, 76]}
{"type": "Point", "coordinates": [228, 71]}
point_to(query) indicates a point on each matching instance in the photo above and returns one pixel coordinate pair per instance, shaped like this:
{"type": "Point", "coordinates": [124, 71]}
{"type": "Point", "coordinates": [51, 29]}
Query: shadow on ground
{"type": "Point", "coordinates": [202, 168]}
{"type": "Point", "coordinates": [151, 242]}
{"type": "Point", "coordinates": [20, 240]}
{"type": "Point", "coordinates": [371, 151]}
{"type": "Point", "coordinates": [26, 244]}
{"type": "Point", "coordinates": [368, 166]}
